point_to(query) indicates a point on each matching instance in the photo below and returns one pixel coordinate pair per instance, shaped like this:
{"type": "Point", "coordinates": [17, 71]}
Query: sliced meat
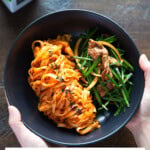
{"type": "Point", "coordinates": [102, 92]}
{"type": "Point", "coordinates": [113, 61]}
{"type": "Point", "coordinates": [110, 85]}
{"type": "Point", "coordinates": [96, 50]}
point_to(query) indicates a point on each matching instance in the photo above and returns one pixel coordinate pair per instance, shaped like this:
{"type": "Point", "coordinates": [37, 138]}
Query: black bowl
{"type": "Point", "coordinates": [21, 95]}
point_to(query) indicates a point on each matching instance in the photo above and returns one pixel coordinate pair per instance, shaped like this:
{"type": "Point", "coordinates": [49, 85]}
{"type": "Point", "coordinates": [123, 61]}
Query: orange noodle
{"type": "Point", "coordinates": [55, 79]}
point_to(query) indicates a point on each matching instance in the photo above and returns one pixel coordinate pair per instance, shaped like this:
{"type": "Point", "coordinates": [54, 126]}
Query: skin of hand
{"type": "Point", "coordinates": [25, 137]}
{"type": "Point", "coordinates": [140, 123]}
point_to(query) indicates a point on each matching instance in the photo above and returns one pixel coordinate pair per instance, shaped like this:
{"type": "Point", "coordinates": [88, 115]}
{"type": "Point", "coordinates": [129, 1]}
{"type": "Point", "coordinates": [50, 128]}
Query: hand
{"type": "Point", "coordinates": [140, 123]}
{"type": "Point", "coordinates": [25, 137]}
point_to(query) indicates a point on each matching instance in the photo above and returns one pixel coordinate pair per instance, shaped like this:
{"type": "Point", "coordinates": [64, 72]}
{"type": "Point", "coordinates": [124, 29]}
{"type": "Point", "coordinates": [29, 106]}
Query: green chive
{"type": "Point", "coordinates": [126, 63]}
{"type": "Point", "coordinates": [114, 54]}
{"type": "Point", "coordinates": [128, 77]}
{"type": "Point", "coordinates": [130, 89]}
{"type": "Point", "coordinates": [97, 96]}
{"type": "Point", "coordinates": [125, 97]}
{"type": "Point", "coordinates": [92, 67]}
{"type": "Point", "coordinates": [83, 64]}
{"type": "Point", "coordinates": [112, 99]}
{"type": "Point", "coordinates": [118, 111]}
{"type": "Point", "coordinates": [88, 36]}
{"type": "Point", "coordinates": [110, 39]}
{"type": "Point", "coordinates": [99, 38]}
{"type": "Point", "coordinates": [115, 75]}
{"type": "Point", "coordinates": [112, 80]}
{"type": "Point", "coordinates": [82, 58]}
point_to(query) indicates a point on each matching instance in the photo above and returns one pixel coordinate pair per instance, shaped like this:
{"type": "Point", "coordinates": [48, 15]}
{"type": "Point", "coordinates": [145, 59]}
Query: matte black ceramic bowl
{"type": "Point", "coordinates": [21, 95]}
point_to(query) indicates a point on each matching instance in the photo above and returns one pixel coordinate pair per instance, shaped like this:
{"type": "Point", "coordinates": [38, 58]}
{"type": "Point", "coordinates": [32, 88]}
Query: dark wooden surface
{"type": "Point", "coordinates": [132, 15]}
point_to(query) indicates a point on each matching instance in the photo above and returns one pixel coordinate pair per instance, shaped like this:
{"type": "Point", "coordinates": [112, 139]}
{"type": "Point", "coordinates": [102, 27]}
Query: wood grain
{"type": "Point", "coordinates": [133, 16]}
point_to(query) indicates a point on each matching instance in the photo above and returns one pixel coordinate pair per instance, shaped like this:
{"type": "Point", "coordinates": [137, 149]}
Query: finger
{"type": "Point", "coordinates": [142, 111]}
{"type": "Point", "coordinates": [14, 116]}
{"type": "Point", "coordinates": [144, 63]}
{"type": "Point", "coordinates": [25, 137]}
{"type": "Point", "coordinates": [145, 66]}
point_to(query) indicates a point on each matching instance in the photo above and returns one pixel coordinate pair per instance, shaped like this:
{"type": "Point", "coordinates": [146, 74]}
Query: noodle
{"type": "Point", "coordinates": [55, 80]}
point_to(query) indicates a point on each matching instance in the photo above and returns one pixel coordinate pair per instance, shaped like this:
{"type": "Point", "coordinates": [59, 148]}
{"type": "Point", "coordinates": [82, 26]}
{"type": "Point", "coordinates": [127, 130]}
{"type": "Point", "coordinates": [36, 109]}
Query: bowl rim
{"type": "Point", "coordinates": [63, 11]}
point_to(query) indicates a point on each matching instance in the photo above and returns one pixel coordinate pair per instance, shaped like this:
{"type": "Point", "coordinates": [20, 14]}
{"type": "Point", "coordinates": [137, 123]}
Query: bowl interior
{"type": "Point", "coordinates": [21, 95]}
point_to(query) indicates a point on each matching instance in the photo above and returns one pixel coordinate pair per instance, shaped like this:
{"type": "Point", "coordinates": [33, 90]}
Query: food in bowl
{"type": "Point", "coordinates": [20, 94]}
{"type": "Point", "coordinates": [74, 83]}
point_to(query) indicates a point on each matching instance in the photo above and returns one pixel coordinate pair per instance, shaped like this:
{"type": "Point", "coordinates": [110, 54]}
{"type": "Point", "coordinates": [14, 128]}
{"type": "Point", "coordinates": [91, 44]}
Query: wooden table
{"type": "Point", "coordinates": [132, 15]}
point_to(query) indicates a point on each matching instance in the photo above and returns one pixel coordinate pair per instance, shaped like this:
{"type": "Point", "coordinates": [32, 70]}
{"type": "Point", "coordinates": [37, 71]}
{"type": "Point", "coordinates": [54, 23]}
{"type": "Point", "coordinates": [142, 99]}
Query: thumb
{"type": "Point", "coordinates": [145, 105]}
{"type": "Point", "coordinates": [145, 66]}
{"type": "Point", "coordinates": [25, 137]}
{"type": "Point", "coordinates": [14, 117]}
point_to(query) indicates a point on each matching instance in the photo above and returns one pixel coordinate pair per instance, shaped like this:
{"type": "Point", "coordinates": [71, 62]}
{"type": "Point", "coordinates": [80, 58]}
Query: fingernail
{"type": "Point", "coordinates": [9, 109]}
{"type": "Point", "coordinates": [145, 59]}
